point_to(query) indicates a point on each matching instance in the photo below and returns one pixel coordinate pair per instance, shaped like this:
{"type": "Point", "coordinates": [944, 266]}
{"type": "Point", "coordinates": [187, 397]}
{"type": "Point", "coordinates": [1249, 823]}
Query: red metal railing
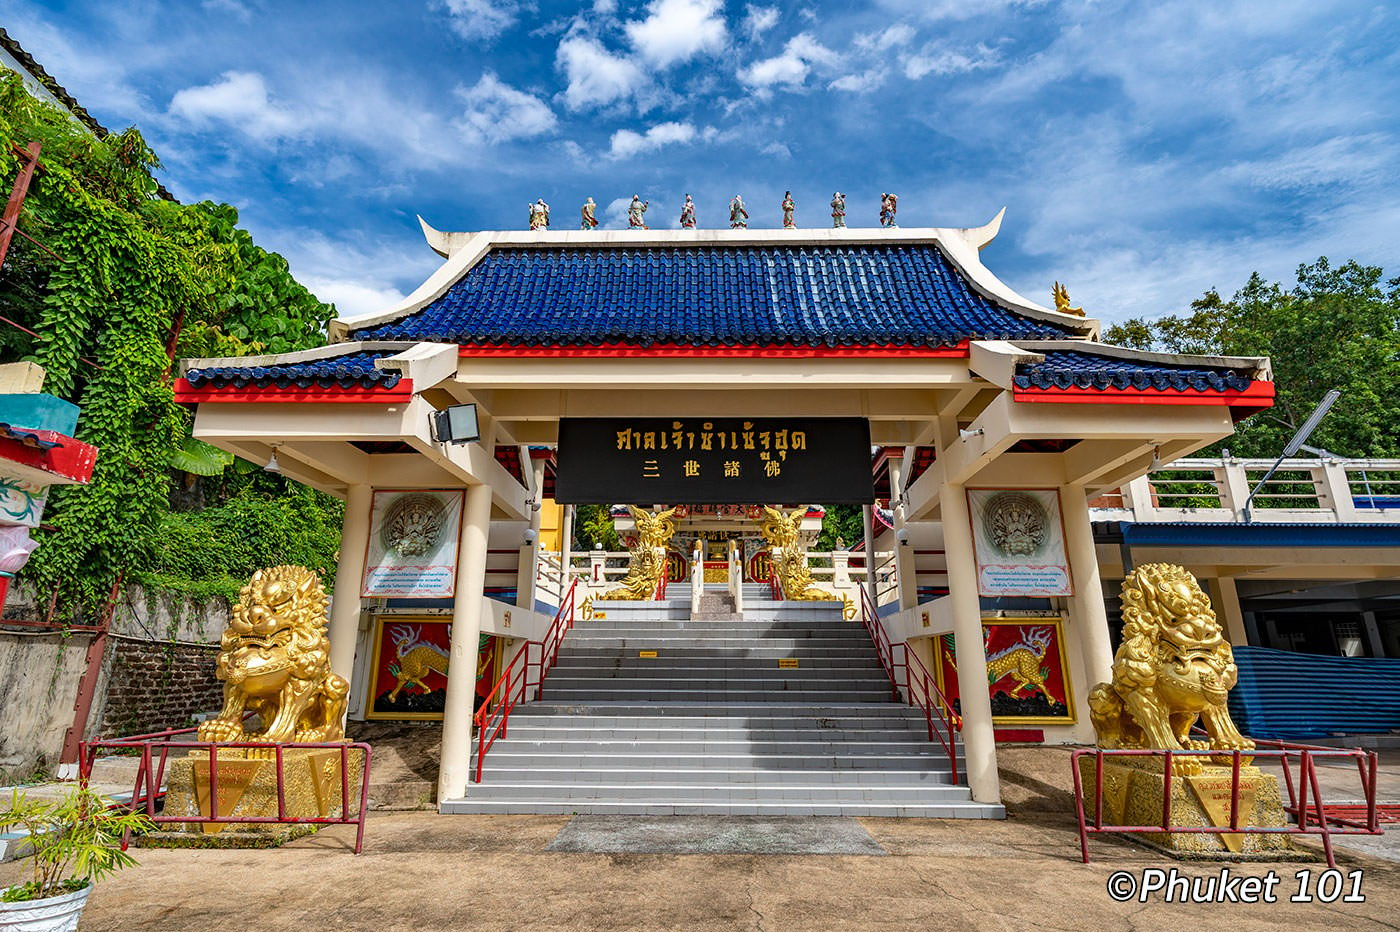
{"type": "Point", "coordinates": [919, 685]}
{"type": "Point", "coordinates": [1305, 805]}
{"type": "Point", "coordinates": [775, 586]}
{"type": "Point", "coordinates": [154, 751]}
{"type": "Point", "coordinates": [515, 681]}
{"type": "Point", "coordinates": [660, 593]}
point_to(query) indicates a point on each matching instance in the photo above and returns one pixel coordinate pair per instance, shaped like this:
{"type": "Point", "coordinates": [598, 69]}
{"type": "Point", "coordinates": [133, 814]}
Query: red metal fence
{"type": "Point", "coordinates": [515, 681]}
{"type": "Point", "coordinates": [1310, 814]}
{"type": "Point", "coordinates": [154, 751]}
{"type": "Point", "coordinates": [920, 687]}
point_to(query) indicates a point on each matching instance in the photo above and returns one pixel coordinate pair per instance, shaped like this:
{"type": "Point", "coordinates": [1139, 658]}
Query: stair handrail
{"type": "Point", "coordinates": [775, 582]}
{"type": "Point", "coordinates": [514, 683]}
{"type": "Point", "coordinates": [929, 698]}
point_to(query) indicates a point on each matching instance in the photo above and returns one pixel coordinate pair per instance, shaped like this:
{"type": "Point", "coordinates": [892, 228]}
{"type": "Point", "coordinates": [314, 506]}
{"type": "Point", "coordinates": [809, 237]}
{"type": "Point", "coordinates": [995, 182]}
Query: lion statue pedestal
{"type": "Point", "coordinates": [274, 659]}
{"type": "Point", "coordinates": [1173, 668]}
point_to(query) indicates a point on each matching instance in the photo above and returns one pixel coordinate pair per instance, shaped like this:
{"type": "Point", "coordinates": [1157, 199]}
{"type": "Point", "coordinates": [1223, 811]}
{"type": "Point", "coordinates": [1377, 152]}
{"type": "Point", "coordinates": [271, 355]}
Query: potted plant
{"type": "Point", "coordinates": [74, 842]}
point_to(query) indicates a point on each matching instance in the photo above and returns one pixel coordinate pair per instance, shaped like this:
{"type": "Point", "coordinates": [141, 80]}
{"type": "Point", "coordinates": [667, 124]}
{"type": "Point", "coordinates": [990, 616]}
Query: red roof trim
{"type": "Point", "coordinates": [688, 351]}
{"type": "Point", "coordinates": [1258, 395]}
{"type": "Point", "coordinates": [272, 394]}
{"type": "Point", "coordinates": [70, 462]}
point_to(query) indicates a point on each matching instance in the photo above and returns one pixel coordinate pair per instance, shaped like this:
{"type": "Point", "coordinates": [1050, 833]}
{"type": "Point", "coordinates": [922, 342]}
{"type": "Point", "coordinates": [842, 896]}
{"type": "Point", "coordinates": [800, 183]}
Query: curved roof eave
{"type": "Point", "coordinates": [464, 250]}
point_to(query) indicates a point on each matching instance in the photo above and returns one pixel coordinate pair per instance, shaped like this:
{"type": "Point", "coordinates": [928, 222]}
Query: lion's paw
{"type": "Point", "coordinates": [219, 729]}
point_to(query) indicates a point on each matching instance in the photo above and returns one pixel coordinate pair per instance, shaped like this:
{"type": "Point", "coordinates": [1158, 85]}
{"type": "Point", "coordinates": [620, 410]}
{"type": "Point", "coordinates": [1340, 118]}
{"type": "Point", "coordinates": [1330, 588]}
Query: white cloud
{"type": "Point", "coordinates": [499, 112]}
{"type": "Point", "coordinates": [676, 31]}
{"type": "Point", "coordinates": [791, 67]}
{"type": "Point", "coordinates": [239, 98]}
{"type": "Point", "coordinates": [759, 19]}
{"type": "Point", "coordinates": [776, 149]}
{"type": "Point", "coordinates": [957, 9]}
{"type": "Point", "coordinates": [352, 299]}
{"type": "Point", "coordinates": [940, 58]}
{"type": "Point", "coordinates": [626, 142]}
{"type": "Point", "coordinates": [1340, 160]}
{"type": "Point", "coordinates": [898, 34]}
{"type": "Point", "coordinates": [604, 7]}
{"type": "Point", "coordinates": [595, 76]}
{"type": "Point", "coordinates": [481, 19]}
{"type": "Point", "coordinates": [860, 82]}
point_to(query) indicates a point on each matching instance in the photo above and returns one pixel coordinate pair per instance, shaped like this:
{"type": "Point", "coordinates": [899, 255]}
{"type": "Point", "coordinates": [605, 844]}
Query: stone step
{"type": "Point", "coordinates": [583, 778]}
{"type": "Point", "coordinates": [766, 792]}
{"type": "Point", "coordinates": [503, 760]}
{"type": "Point", "coordinates": [545, 805]}
{"type": "Point", "coordinates": [720, 694]}
{"type": "Point", "coordinates": [631, 665]}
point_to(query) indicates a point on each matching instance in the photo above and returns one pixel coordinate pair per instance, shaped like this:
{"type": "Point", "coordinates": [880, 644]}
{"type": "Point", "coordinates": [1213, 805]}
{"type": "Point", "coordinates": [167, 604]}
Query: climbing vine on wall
{"type": "Point", "coordinates": [123, 271]}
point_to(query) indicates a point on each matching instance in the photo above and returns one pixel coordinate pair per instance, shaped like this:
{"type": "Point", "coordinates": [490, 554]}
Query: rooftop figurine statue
{"type": "Point", "coordinates": [636, 211]}
{"type": "Point", "coordinates": [588, 221]}
{"type": "Point", "coordinates": [1061, 295]}
{"type": "Point", "coordinates": [889, 206]}
{"type": "Point", "coordinates": [738, 216]}
{"type": "Point", "coordinates": [539, 215]}
{"type": "Point", "coordinates": [838, 211]}
{"type": "Point", "coordinates": [789, 209]}
{"type": "Point", "coordinates": [688, 214]}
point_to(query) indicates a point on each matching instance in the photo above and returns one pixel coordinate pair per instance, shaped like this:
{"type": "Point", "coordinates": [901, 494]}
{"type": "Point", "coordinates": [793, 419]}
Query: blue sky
{"type": "Point", "coordinates": [1145, 151]}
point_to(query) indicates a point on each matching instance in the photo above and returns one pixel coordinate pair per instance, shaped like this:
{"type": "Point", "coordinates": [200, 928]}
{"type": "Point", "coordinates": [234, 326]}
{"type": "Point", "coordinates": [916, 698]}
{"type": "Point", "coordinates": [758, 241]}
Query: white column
{"type": "Point", "coordinates": [905, 559]}
{"type": "Point", "coordinates": [867, 513]}
{"type": "Point", "coordinates": [566, 549]}
{"type": "Point", "coordinates": [455, 770]}
{"type": "Point", "coordinates": [1088, 619]}
{"type": "Point", "coordinates": [344, 627]}
{"type": "Point", "coordinates": [528, 574]}
{"type": "Point", "coordinates": [979, 739]}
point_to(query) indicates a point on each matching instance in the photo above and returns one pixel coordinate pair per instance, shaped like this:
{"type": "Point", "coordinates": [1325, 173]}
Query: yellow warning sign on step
{"type": "Point", "coordinates": [787, 663]}
{"type": "Point", "coordinates": [647, 653]}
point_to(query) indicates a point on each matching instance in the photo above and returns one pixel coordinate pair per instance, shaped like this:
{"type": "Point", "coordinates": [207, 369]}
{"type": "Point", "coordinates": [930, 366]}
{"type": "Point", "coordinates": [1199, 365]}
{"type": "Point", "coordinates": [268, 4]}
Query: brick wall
{"type": "Point", "coordinates": [157, 685]}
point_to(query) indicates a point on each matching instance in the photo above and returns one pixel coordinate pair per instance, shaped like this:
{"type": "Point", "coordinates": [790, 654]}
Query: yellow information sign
{"type": "Point", "coordinates": [787, 663]}
{"type": "Point", "coordinates": [647, 653]}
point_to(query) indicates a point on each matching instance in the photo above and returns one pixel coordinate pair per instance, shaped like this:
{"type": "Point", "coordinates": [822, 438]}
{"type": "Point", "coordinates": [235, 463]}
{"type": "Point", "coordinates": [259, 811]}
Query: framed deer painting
{"type": "Point", "coordinates": [1027, 673]}
{"type": "Point", "coordinates": [410, 668]}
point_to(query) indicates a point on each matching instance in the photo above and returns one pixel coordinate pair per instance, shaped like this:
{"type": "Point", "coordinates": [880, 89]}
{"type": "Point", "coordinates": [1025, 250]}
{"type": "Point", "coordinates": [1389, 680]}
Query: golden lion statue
{"type": "Point", "coordinates": [1172, 667]}
{"type": "Point", "coordinates": [648, 557]}
{"type": "Point", "coordinates": [274, 659]}
{"type": "Point", "coordinates": [789, 557]}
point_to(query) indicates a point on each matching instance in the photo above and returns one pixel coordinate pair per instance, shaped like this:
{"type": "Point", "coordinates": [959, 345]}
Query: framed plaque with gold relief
{"type": "Point", "coordinates": [1027, 672]}
{"type": "Point", "coordinates": [410, 668]}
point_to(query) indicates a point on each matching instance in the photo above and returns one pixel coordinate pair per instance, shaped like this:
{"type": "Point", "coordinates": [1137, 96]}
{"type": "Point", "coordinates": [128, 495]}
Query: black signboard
{"type": "Point", "coordinates": [720, 461]}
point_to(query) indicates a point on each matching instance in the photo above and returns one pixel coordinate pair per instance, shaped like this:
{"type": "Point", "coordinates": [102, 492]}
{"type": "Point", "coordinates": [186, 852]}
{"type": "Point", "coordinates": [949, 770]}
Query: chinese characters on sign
{"type": "Point", "coordinates": [719, 460]}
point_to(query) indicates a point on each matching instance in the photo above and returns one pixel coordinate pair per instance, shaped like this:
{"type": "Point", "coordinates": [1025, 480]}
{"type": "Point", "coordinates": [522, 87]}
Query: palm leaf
{"type": "Point", "coordinates": [199, 458]}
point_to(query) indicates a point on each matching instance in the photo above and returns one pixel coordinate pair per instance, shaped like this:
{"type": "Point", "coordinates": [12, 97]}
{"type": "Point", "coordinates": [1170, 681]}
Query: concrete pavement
{"type": "Point", "coordinates": [421, 871]}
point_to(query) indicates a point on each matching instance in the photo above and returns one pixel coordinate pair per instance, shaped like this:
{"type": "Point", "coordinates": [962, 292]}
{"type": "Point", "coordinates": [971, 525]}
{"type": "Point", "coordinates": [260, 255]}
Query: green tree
{"type": "Point", "coordinates": [593, 524]}
{"type": "Point", "coordinates": [122, 271]}
{"type": "Point", "coordinates": [844, 521]}
{"type": "Point", "coordinates": [1337, 327]}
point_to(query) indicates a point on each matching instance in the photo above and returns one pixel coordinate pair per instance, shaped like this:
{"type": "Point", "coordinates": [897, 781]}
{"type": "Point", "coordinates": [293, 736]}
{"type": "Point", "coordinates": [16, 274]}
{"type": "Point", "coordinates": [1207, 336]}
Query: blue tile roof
{"type": "Point", "coordinates": [902, 295]}
{"type": "Point", "coordinates": [1074, 369]}
{"type": "Point", "coordinates": [348, 371]}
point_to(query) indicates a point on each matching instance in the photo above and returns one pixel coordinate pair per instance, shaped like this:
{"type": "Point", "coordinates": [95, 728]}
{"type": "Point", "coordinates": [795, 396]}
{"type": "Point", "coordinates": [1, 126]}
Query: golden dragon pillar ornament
{"type": "Point", "coordinates": [274, 659]}
{"type": "Point", "coordinates": [789, 557]}
{"type": "Point", "coordinates": [648, 563]}
{"type": "Point", "coordinates": [1172, 667]}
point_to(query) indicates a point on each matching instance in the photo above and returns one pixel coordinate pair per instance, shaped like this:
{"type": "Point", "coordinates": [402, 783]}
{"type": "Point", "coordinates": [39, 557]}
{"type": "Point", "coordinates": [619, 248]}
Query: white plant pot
{"type": "Point", "coordinates": [55, 914]}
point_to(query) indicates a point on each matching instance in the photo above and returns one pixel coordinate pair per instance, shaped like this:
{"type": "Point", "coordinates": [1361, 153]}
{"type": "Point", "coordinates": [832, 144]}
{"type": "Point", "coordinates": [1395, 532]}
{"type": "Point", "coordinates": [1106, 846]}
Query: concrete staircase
{"type": "Point", "coordinates": [713, 725]}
